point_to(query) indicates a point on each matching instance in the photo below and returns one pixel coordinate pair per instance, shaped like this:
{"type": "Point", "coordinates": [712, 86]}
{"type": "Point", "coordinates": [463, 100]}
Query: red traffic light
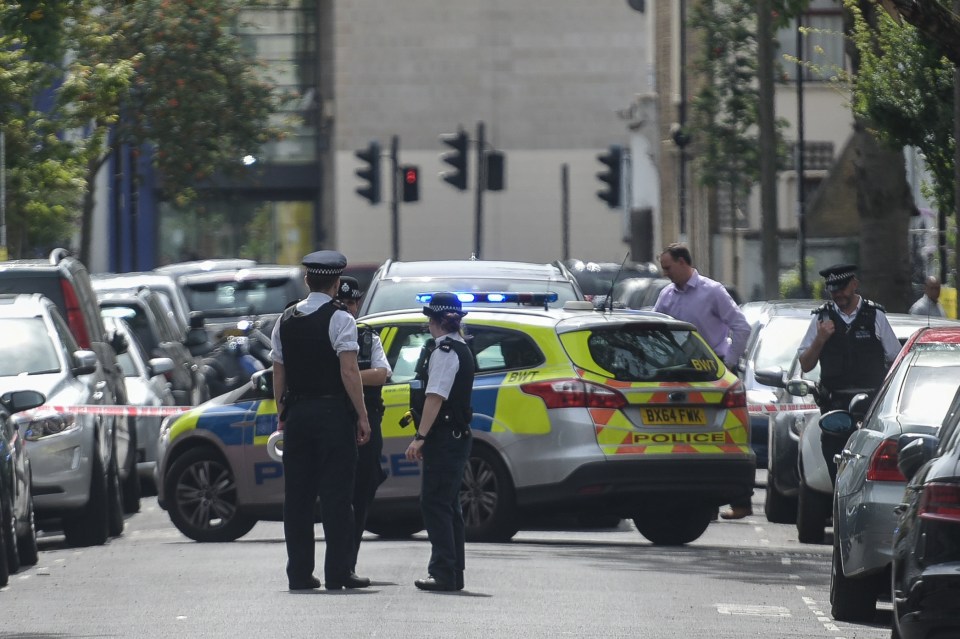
{"type": "Point", "coordinates": [411, 183]}
{"type": "Point", "coordinates": [411, 175]}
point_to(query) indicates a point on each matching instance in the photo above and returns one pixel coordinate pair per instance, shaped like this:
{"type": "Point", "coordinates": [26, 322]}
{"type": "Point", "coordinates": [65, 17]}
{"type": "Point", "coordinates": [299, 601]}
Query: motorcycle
{"type": "Point", "coordinates": [240, 352]}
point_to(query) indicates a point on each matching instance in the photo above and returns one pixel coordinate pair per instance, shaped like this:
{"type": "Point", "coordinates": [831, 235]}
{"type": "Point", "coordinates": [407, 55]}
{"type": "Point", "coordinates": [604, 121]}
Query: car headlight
{"type": "Point", "coordinates": [40, 425]}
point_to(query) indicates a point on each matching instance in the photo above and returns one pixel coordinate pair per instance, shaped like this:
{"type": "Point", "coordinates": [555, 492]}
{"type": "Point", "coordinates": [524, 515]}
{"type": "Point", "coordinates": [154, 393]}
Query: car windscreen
{"type": "Point", "coordinates": [394, 295]}
{"type": "Point", "coordinates": [26, 348]}
{"type": "Point", "coordinates": [237, 299]}
{"type": "Point", "coordinates": [778, 342]}
{"type": "Point", "coordinates": [927, 389]}
{"type": "Point", "coordinates": [644, 353]}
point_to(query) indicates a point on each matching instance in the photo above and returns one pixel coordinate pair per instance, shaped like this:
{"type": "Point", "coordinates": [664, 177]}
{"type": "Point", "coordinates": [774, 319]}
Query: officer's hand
{"type": "Point", "coordinates": [825, 329]}
{"type": "Point", "coordinates": [363, 431]}
{"type": "Point", "coordinates": [415, 450]}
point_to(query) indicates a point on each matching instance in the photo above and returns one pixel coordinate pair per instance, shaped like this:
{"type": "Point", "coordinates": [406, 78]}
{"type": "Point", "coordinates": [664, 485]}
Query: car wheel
{"type": "Point", "coordinates": [850, 599]}
{"type": "Point", "coordinates": [10, 539]}
{"type": "Point", "coordinates": [487, 498]}
{"type": "Point", "coordinates": [813, 509]}
{"type": "Point", "coordinates": [779, 508]}
{"type": "Point", "coordinates": [131, 485]}
{"type": "Point", "coordinates": [27, 542]}
{"type": "Point", "coordinates": [395, 529]}
{"type": "Point", "coordinates": [114, 500]}
{"type": "Point", "coordinates": [673, 526]}
{"type": "Point", "coordinates": [202, 498]}
{"type": "Point", "coordinates": [89, 527]}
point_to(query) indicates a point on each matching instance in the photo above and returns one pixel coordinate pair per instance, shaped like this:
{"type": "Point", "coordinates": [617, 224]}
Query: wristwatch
{"type": "Point", "coordinates": [418, 437]}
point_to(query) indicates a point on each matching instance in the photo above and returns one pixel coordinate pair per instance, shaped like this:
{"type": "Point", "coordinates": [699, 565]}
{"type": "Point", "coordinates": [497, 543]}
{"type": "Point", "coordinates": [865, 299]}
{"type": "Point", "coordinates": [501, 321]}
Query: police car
{"type": "Point", "coordinates": [626, 414]}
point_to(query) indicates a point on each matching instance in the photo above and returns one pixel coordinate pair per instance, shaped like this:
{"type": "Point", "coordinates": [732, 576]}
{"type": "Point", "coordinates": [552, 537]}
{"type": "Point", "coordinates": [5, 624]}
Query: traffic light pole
{"type": "Point", "coordinates": [395, 195]}
{"type": "Point", "coordinates": [481, 187]}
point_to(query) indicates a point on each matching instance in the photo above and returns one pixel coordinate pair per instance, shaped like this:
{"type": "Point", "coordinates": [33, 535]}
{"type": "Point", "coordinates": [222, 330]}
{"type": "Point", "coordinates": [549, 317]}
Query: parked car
{"type": "Point", "coordinates": [396, 285]}
{"type": "Point", "coordinates": [259, 293]}
{"type": "Point", "coordinates": [925, 571]}
{"type": "Point", "coordinates": [18, 534]}
{"type": "Point", "coordinates": [644, 297]}
{"type": "Point", "coordinates": [575, 411]}
{"type": "Point", "coordinates": [598, 279]}
{"type": "Point", "coordinates": [775, 335]}
{"type": "Point", "coordinates": [147, 387]}
{"type": "Point", "coordinates": [914, 399]}
{"type": "Point", "coordinates": [814, 484]}
{"type": "Point", "coordinates": [178, 269]}
{"type": "Point", "coordinates": [64, 280]}
{"type": "Point", "coordinates": [161, 336]}
{"type": "Point", "coordinates": [163, 284]}
{"type": "Point", "coordinates": [74, 454]}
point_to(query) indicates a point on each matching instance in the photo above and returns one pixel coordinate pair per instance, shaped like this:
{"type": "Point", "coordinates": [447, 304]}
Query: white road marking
{"type": "Point", "coordinates": [753, 611]}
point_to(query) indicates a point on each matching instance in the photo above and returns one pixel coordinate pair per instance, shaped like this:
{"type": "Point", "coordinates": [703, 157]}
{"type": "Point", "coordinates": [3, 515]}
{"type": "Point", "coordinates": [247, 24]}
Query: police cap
{"type": "Point", "coordinates": [838, 276]}
{"type": "Point", "coordinates": [325, 263]}
{"type": "Point", "coordinates": [442, 303]}
{"type": "Point", "coordinates": [349, 288]}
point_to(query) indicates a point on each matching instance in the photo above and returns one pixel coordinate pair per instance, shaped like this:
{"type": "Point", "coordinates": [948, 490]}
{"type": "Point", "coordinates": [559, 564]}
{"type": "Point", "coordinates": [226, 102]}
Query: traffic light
{"type": "Point", "coordinates": [370, 173]}
{"type": "Point", "coordinates": [612, 176]}
{"type": "Point", "coordinates": [457, 159]}
{"type": "Point", "coordinates": [410, 176]}
{"type": "Point", "coordinates": [496, 180]}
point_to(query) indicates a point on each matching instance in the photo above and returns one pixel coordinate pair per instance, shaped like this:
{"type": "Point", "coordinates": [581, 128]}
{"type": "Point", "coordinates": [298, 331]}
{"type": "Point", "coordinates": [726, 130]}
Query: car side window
{"type": "Point", "coordinates": [501, 349]}
{"type": "Point", "coordinates": [405, 351]}
{"type": "Point", "coordinates": [64, 334]}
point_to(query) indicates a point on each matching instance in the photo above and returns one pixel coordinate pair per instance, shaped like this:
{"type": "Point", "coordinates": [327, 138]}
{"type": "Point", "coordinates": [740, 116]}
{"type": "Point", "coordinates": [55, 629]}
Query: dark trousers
{"type": "Point", "coordinates": [369, 476]}
{"type": "Point", "coordinates": [319, 458]}
{"type": "Point", "coordinates": [444, 459]}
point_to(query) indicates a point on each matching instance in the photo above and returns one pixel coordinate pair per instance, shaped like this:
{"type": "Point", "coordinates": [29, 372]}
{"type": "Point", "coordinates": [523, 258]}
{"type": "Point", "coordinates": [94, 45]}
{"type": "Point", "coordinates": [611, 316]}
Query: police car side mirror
{"type": "Point", "coordinates": [263, 383]}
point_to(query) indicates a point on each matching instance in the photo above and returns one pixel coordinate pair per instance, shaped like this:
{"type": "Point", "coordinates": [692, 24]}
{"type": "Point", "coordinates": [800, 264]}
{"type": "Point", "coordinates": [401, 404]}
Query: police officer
{"type": "Point", "coordinates": [852, 339]}
{"type": "Point", "coordinates": [374, 372]}
{"type": "Point", "coordinates": [443, 441]}
{"type": "Point", "coordinates": [320, 402]}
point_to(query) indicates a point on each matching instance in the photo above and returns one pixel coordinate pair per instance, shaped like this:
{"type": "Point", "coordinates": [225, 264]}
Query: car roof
{"type": "Point", "coordinates": [261, 271]}
{"type": "Point", "coordinates": [103, 281]}
{"type": "Point", "coordinates": [203, 266]}
{"type": "Point", "coordinates": [23, 304]}
{"type": "Point", "coordinates": [938, 335]}
{"type": "Point", "coordinates": [440, 269]}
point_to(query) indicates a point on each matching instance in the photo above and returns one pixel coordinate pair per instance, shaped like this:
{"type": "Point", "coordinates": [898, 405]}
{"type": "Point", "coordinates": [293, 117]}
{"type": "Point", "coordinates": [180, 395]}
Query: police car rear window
{"type": "Point", "coordinates": [653, 354]}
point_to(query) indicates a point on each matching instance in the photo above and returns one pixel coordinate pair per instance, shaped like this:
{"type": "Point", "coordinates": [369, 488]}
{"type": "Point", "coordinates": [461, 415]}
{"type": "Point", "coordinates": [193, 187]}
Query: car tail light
{"type": "Point", "coordinates": [75, 315]}
{"type": "Point", "coordinates": [574, 393]}
{"type": "Point", "coordinates": [883, 463]}
{"type": "Point", "coordinates": [735, 397]}
{"type": "Point", "coordinates": [941, 502]}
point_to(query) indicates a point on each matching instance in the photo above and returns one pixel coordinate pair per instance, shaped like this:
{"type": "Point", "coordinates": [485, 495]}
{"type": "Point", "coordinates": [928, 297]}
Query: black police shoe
{"type": "Point", "coordinates": [352, 581]}
{"type": "Point", "coordinates": [431, 583]}
{"type": "Point", "coordinates": [459, 580]}
{"type": "Point", "coordinates": [306, 584]}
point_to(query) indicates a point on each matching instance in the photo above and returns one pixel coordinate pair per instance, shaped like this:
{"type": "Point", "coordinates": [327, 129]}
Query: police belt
{"type": "Point", "coordinates": [293, 398]}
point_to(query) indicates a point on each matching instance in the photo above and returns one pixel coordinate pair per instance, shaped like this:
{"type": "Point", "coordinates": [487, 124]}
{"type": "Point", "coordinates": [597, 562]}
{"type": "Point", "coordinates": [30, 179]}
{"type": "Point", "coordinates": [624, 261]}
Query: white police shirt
{"type": "Point", "coordinates": [378, 359]}
{"type": "Point", "coordinates": [443, 367]}
{"type": "Point", "coordinates": [343, 328]}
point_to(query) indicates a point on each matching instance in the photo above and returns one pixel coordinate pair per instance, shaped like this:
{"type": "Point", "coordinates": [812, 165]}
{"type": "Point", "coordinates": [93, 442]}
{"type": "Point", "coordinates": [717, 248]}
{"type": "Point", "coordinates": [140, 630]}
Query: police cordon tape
{"type": "Point", "coordinates": [163, 411]}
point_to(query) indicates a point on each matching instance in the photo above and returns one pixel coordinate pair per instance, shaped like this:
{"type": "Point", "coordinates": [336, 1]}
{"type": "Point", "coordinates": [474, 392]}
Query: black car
{"type": "Point", "coordinates": [925, 572]}
{"type": "Point", "coordinates": [161, 336]}
{"type": "Point", "coordinates": [18, 533]}
{"type": "Point", "coordinates": [598, 279]}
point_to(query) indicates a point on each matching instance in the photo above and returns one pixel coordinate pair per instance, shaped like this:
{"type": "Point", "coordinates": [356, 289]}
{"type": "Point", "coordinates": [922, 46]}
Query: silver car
{"type": "Point", "coordinates": [914, 399]}
{"type": "Point", "coordinates": [147, 386]}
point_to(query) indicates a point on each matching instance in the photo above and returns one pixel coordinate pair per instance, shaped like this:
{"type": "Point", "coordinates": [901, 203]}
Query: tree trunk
{"type": "Point", "coordinates": [885, 205]}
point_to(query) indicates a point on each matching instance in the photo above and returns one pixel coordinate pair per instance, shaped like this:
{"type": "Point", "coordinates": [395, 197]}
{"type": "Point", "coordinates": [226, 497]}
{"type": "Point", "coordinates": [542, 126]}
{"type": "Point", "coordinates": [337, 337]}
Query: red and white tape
{"type": "Point", "coordinates": [114, 409]}
{"type": "Point", "coordinates": [163, 411]}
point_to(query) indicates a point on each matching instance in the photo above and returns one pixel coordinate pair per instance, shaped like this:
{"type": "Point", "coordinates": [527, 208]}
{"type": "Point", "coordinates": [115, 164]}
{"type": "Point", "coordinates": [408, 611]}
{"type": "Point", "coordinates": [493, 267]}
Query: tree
{"type": "Point", "coordinates": [932, 18]}
{"type": "Point", "coordinates": [168, 76]}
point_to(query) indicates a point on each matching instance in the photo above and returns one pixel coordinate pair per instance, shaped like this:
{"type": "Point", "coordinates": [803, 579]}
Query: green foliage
{"type": "Point", "coordinates": [904, 90]}
{"type": "Point", "coordinates": [790, 283]}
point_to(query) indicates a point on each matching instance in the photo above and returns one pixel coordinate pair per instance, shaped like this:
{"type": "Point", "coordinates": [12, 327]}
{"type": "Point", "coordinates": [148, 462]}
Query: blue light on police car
{"type": "Point", "coordinates": [424, 298]}
{"type": "Point", "coordinates": [466, 297]}
{"type": "Point", "coordinates": [496, 297]}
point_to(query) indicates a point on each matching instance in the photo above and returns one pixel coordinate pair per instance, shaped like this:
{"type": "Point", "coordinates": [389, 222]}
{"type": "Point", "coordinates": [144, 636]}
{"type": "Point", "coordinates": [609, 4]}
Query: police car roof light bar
{"type": "Point", "coordinates": [498, 297]}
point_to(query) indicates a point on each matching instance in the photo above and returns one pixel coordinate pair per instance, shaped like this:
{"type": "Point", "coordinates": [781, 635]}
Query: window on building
{"type": "Point", "coordinates": [823, 43]}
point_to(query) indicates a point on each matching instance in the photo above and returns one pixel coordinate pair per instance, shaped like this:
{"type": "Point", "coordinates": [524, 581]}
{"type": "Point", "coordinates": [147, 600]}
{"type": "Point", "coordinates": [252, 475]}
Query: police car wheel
{"type": "Point", "coordinates": [487, 497]}
{"type": "Point", "coordinates": [675, 526]}
{"type": "Point", "coordinates": [202, 498]}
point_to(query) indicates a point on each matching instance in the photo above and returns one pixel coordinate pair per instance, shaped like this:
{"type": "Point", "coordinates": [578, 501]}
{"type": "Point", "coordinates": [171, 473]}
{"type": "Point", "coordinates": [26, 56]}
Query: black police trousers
{"type": "Point", "coordinates": [445, 456]}
{"type": "Point", "coordinates": [369, 476]}
{"type": "Point", "coordinates": [319, 459]}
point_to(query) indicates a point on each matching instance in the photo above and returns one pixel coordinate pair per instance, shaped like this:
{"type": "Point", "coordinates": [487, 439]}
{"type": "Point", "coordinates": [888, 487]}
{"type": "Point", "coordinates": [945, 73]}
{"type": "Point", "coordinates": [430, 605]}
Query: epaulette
{"type": "Point", "coordinates": [820, 309]}
{"type": "Point", "coordinates": [446, 347]}
{"type": "Point", "coordinates": [291, 304]}
{"type": "Point", "coordinates": [339, 305]}
{"type": "Point", "coordinates": [878, 307]}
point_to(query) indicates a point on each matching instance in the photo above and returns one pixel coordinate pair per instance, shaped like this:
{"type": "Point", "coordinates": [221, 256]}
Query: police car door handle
{"type": "Point", "coordinates": [848, 454]}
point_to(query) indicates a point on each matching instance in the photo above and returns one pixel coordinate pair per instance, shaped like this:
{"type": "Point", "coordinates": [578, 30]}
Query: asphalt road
{"type": "Point", "coordinates": [746, 578]}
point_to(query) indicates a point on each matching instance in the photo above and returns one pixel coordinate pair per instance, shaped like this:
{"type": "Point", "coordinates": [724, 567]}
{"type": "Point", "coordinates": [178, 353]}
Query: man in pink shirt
{"type": "Point", "coordinates": [706, 304]}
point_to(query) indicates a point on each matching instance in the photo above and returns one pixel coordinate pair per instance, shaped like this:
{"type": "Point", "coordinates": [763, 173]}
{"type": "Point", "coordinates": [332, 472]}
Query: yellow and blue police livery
{"type": "Point", "coordinates": [619, 414]}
